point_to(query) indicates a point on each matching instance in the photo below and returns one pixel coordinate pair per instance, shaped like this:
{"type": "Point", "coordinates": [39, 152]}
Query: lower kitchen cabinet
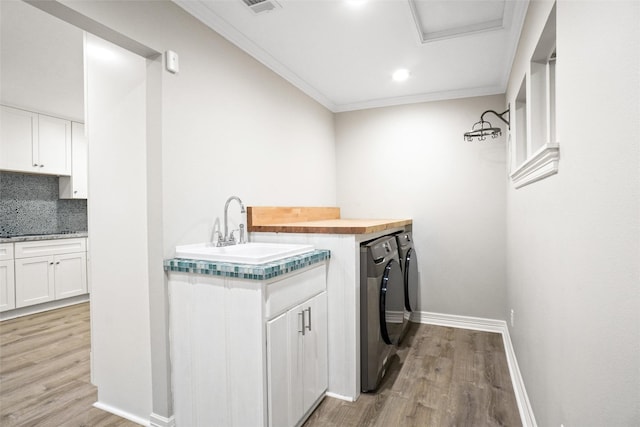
{"type": "Point", "coordinates": [70, 275]}
{"type": "Point", "coordinates": [248, 352]}
{"type": "Point", "coordinates": [48, 270]}
{"type": "Point", "coordinates": [297, 361]}
{"type": "Point", "coordinates": [34, 280]}
{"type": "Point", "coordinates": [7, 287]}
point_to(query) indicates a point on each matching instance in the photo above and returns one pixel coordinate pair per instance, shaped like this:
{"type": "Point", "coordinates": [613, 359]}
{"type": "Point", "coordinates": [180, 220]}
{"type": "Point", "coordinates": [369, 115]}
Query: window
{"type": "Point", "coordinates": [534, 140]}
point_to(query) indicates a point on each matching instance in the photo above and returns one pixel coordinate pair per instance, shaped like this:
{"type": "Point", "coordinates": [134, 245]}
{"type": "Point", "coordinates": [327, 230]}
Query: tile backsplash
{"type": "Point", "coordinates": [29, 204]}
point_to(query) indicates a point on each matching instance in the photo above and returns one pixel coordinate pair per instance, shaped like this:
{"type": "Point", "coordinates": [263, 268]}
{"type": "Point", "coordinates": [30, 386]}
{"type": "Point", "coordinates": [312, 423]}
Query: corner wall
{"type": "Point", "coordinates": [411, 161]}
{"type": "Point", "coordinates": [573, 240]}
{"type": "Point", "coordinates": [225, 125]}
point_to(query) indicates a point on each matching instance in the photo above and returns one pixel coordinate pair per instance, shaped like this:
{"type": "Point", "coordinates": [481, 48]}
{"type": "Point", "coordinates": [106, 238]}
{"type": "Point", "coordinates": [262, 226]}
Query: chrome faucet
{"type": "Point", "coordinates": [227, 239]}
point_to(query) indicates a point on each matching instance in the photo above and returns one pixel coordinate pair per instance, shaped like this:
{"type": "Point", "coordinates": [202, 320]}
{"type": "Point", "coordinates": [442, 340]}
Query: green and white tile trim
{"type": "Point", "coordinates": [247, 271]}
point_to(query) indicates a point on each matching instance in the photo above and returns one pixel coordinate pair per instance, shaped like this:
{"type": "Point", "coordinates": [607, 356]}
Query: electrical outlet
{"type": "Point", "coordinates": [512, 316]}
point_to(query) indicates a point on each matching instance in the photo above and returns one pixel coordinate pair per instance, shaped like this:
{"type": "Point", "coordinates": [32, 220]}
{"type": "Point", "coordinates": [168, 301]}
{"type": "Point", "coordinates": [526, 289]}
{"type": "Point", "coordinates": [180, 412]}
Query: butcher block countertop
{"type": "Point", "coordinates": [314, 220]}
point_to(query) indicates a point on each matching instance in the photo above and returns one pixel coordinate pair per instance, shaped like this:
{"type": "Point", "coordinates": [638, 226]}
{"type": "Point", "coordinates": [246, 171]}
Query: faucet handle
{"type": "Point", "coordinates": [220, 238]}
{"type": "Point", "coordinates": [232, 239]}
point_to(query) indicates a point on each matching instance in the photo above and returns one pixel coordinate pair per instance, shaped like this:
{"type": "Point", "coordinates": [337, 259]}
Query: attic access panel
{"type": "Point", "coordinates": [442, 19]}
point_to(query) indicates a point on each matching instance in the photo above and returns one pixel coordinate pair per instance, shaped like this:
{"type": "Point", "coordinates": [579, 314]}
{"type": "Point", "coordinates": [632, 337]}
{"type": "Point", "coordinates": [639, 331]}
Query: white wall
{"type": "Point", "coordinates": [230, 125]}
{"type": "Point", "coordinates": [225, 125]}
{"type": "Point", "coordinates": [117, 214]}
{"type": "Point", "coordinates": [41, 68]}
{"type": "Point", "coordinates": [411, 162]}
{"type": "Point", "coordinates": [574, 238]}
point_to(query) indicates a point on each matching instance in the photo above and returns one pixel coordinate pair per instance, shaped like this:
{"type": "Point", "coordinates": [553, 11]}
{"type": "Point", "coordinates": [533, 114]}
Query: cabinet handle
{"type": "Point", "coordinates": [35, 164]}
{"type": "Point", "coordinates": [41, 166]}
{"type": "Point", "coordinates": [59, 263]}
{"type": "Point", "coordinates": [309, 326]}
{"type": "Point", "coordinates": [301, 314]}
{"type": "Point", "coordinates": [51, 263]}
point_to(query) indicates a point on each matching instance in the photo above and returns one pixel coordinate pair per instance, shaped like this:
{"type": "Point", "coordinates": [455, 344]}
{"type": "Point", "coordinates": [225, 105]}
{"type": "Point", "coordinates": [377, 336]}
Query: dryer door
{"type": "Point", "coordinates": [392, 303]}
{"type": "Point", "coordinates": [411, 280]}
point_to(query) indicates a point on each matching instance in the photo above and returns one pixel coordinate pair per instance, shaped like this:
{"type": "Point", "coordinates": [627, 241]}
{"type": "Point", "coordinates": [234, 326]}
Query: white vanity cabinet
{"type": "Point", "coordinates": [35, 143]}
{"type": "Point", "coordinates": [239, 356]}
{"type": "Point", "coordinates": [46, 270]}
{"type": "Point", "coordinates": [296, 361]}
{"type": "Point", "coordinates": [7, 288]}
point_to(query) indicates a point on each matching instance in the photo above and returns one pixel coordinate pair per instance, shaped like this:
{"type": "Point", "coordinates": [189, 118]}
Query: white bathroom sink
{"type": "Point", "coordinates": [247, 253]}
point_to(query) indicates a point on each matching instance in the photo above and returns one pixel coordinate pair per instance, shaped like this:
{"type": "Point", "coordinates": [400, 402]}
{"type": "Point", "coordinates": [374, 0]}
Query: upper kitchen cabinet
{"type": "Point", "coordinates": [34, 143]}
{"type": "Point", "coordinates": [75, 186]}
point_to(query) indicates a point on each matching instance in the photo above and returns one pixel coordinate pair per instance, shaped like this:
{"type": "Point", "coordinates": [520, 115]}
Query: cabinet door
{"type": "Point", "coordinates": [18, 137]}
{"type": "Point", "coordinates": [70, 275]}
{"type": "Point", "coordinates": [316, 374]}
{"type": "Point", "coordinates": [278, 388]}
{"type": "Point", "coordinates": [7, 286]}
{"type": "Point", "coordinates": [34, 280]}
{"type": "Point", "coordinates": [54, 145]}
{"type": "Point", "coordinates": [297, 332]}
{"type": "Point", "coordinates": [75, 186]}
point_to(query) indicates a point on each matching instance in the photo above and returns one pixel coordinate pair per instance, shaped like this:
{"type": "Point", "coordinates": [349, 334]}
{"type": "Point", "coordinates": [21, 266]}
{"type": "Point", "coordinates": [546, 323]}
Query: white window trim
{"type": "Point", "coordinates": [541, 164]}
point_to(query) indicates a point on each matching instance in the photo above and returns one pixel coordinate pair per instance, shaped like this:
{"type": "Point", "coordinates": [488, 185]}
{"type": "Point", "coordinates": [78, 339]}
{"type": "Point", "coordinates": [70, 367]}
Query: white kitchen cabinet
{"type": "Point", "coordinates": [18, 136]}
{"type": "Point", "coordinates": [7, 286]}
{"type": "Point", "coordinates": [75, 186]}
{"type": "Point", "coordinates": [35, 143]}
{"type": "Point", "coordinates": [34, 280]}
{"type": "Point", "coordinates": [237, 351]}
{"type": "Point", "coordinates": [47, 270]}
{"type": "Point", "coordinates": [297, 361]}
{"type": "Point", "coordinates": [70, 275]}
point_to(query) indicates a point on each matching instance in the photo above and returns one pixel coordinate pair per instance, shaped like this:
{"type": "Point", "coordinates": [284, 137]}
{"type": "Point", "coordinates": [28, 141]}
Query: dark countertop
{"type": "Point", "coordinates": [32, 238]}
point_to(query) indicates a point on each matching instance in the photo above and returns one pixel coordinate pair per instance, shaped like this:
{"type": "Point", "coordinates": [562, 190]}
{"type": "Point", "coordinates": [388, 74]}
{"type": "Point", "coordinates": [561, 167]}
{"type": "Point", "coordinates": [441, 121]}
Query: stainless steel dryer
{"type": "Point", "coordinates": [409, 264]}
{"type": "Point", "coordinates": [382, 319]}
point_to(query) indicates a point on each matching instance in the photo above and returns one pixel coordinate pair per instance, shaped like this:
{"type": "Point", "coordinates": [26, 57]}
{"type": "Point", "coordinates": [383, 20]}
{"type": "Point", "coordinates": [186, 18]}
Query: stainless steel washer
{"type": "Point", "coordinates": [382, 314]}
{"type": "Point", "coordinates": [409, 264]}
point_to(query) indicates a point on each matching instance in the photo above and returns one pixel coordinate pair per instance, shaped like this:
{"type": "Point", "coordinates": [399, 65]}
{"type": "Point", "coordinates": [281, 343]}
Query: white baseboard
{"type": "Point", "coordinates": [487, 325]}
{"type": "Point", "coordinates": [45, 306]}
{"type": "Point", "coordinates": [160, 421]}
{"type": "Point", "coordinates": [462, 322]}
{"type": "Point", "coordinates": [524, 406]}
{"type": "Point", "coordinates": [123, 414]}
{"type": "Point", "coordinates": [340, 396]}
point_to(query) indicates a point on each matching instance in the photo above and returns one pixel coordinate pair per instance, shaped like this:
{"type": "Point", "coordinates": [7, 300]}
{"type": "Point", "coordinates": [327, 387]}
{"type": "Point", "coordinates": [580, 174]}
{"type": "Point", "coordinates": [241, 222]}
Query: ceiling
{"type": "Point", "coordinates": [343, 53]}
{"type": "Point", "coordinates": [41, 62]}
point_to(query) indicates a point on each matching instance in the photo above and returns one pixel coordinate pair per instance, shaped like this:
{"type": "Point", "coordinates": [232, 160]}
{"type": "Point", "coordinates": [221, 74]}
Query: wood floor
{"type": "Point", "coordinates": [441, 377]}
{"type": "Point", "coordinates": [44, 372]}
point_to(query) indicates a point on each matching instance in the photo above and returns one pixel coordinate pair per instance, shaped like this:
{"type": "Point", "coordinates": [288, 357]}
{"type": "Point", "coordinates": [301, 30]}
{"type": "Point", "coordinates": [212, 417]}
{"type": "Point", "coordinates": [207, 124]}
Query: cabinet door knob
{"type": "Point", "coordinates": [59, 263]}
{"type": "Point", "coordinates": [35, 164]}
{"type": "Point", "coordinates": [41, 166]}
{"type": "Point", "coordinates": [51, 263]}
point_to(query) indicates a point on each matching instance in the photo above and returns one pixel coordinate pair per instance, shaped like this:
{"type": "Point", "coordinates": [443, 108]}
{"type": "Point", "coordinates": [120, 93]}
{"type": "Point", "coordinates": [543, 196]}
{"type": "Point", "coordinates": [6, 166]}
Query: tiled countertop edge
{"type": "Point", "coordinates": [247, 271]}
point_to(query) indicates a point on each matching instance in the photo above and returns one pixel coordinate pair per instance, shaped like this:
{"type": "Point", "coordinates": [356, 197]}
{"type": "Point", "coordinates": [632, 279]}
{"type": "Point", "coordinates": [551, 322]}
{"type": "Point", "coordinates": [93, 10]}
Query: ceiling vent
{"type": "Point", "coordinates": [262, 6]}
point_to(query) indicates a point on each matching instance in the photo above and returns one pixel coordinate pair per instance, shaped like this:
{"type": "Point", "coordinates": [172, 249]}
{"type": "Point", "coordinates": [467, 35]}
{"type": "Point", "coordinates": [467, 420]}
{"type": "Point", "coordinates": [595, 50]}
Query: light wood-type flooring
{"type": "Point", "coordinates": [44, 372]}
{"type": "Point", "coordinates": [441, 377]}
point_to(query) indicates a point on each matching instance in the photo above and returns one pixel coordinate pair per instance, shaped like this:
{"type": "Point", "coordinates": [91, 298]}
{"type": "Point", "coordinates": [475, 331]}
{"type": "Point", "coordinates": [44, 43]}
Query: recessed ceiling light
{"type": "Point", "coordinates": [401, 75]}
{"type": "Point", "coordinates": [355, 3]}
